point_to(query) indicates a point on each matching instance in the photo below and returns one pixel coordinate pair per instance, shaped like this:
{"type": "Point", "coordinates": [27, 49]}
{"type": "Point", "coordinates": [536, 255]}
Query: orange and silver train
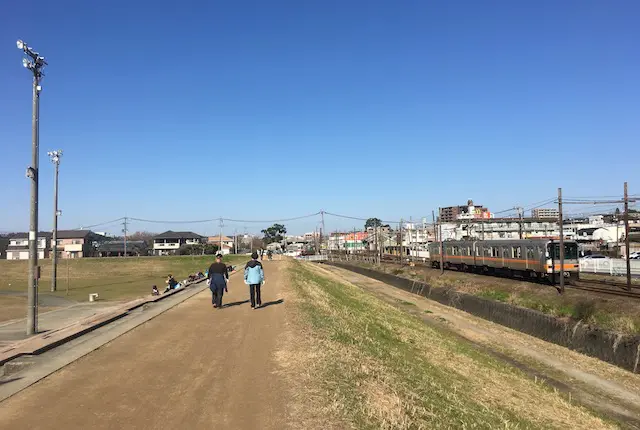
{"type": "Point", "coordinates": [528, 258]}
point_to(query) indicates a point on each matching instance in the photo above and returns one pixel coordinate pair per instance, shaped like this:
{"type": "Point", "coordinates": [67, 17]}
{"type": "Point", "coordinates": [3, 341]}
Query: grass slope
{"type": "Point", "coordinates": [379, 367]}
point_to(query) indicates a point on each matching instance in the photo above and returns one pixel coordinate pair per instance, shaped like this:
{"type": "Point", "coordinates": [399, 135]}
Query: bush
{"type": "Point", "coordinates": [584, 310]}
{"type": "Point", "coordinates": [500, 296]}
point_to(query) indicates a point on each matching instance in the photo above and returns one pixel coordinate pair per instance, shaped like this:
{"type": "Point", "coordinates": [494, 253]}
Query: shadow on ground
{"type": "Point", "coordinates": [275, 302]}
{"type": "Point", "coordinates": [228, 305]}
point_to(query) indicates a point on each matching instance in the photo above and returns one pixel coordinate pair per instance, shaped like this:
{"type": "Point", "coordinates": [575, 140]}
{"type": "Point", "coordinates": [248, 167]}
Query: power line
{"type": "Point", "coordinates": [359, 219]}
{"type": "Point", "coordinates": [224, 219]}
{"type": "Point", "coordinates": [173, 221]}
{"type": "Point", "coordinates": [273, 220]}
{"type": "Point", "coordinates": [84, 227]}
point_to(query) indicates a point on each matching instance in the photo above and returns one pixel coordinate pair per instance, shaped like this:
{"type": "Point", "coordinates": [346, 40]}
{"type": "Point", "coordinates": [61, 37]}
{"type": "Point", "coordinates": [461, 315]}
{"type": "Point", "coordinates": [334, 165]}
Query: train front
{"type": "Point", "coordinates": [571, 268]}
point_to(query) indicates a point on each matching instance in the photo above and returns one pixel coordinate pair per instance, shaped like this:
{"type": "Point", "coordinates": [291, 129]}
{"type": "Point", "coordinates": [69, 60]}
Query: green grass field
{"type": "Point", "coordinates": [111, 278]}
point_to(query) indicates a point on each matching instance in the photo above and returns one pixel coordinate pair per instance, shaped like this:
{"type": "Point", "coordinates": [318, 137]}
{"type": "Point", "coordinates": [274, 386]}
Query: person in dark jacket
{"type": "Point", "coordinates": [254, 277]}
{"type": "Point", "coordinates": [218, 275]}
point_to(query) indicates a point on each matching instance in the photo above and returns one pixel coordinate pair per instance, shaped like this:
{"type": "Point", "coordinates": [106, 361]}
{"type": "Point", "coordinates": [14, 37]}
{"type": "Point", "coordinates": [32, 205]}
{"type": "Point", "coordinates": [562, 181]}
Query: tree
{"type": "Point", "coordinates": [372, 223]}
{"type": "Point", "coordinates": [207, 248]}
{"type": "Point", "coordinates": [256, 243]}
{"type": "Point", "coordinates": [275, 233]}
{"type": "Point", "coordinates": [146, 236]}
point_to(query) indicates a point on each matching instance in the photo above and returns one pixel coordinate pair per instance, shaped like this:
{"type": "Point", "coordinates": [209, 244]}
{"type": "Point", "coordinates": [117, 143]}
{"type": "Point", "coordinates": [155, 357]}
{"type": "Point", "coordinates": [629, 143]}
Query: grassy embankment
{"type": "Point", "coordinates": [111, 278]}
{"type": "Point", "coordinates": [375, 366]}
{"type": "Point", "coordinates": [619, 314]}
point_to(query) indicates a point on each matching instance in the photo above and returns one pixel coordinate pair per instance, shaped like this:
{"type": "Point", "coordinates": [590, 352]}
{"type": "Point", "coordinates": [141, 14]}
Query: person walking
{"type": "Point", "coordinates": [254, 278]}
{"type": "Point", "coordinates": [218, 275]}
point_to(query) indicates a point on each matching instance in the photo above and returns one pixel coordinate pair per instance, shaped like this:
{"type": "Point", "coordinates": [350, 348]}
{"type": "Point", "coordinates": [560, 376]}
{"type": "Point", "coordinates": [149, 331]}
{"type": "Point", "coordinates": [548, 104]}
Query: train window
{"type": "Point", "coordinates": [530, 253]}
{"type": "Point", "coordinates": [477, 252]}
{"type": "Point", "coordinates": [505, 252]}
{"type": "Point", "coordinates": [495, 251]}
{"type": "Point", "coordinates": [516, 252]}
{"type": "Point", "coordinates": [487, 251]}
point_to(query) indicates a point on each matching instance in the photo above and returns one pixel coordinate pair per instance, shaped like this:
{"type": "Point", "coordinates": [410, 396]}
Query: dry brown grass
{"type": "Point", "coordinates": [111, 278]}
{"type": "Point", "coordinates": [613, 313]}
{"type": "Point", "coordinates": [602, 386]}
{"type": "Point", "coordinates": [12, 307]}
{"type": "Point", "coordinates": [385, 369]}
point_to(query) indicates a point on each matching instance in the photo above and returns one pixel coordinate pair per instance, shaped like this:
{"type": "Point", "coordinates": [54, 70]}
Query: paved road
{"type": "Point", "coordinates": [191, 367]}
{"type": "Point", "coordinates": [54, 319]}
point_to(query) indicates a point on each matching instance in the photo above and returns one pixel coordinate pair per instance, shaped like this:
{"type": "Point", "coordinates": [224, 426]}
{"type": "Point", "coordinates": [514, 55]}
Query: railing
{"type": "Point", "coordinates": [609, 266]}
{"type": "Point", "coordinates": [320, 257]}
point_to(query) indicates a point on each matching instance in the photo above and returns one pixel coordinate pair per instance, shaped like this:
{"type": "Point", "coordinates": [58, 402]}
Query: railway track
{"type": "Point", "coordinates": [595, 286]}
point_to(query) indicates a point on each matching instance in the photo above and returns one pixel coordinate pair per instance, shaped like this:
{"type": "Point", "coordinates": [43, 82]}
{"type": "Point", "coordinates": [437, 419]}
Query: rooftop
{"type": "Point", "coordinates": [178, 235]}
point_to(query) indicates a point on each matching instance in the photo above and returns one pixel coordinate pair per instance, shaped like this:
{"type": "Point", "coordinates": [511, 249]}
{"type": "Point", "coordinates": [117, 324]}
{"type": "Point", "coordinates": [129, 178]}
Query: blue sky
{"type": "Point", "coordinates": [264, 110]}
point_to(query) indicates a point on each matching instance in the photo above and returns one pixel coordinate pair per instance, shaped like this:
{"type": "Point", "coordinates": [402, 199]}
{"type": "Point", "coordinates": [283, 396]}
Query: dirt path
{"type": "Point", "coordinates": [192, 367]}
{"type": "Point", "coordinates": [592, 382]}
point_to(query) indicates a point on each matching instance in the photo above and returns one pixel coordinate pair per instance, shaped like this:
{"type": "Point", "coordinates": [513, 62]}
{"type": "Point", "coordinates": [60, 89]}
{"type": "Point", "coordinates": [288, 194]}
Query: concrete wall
{"type": "Point", "coordinates": [620, 350]}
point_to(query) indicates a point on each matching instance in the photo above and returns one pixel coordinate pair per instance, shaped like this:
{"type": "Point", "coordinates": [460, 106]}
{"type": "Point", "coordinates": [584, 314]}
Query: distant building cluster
{"type": "Point", "coordinates": [470, 211]}
{"type": "Point", "coordinates": [474, 222]}
{"type": "Point", "coordinates": [545, 213]}
{"type": "Point", "coordinates": [71, 244]}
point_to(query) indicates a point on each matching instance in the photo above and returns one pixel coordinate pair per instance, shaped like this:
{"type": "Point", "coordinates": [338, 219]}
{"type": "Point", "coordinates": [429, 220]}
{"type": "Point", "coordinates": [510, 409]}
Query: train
{"type": "Point", "coordinates": [528, 258]}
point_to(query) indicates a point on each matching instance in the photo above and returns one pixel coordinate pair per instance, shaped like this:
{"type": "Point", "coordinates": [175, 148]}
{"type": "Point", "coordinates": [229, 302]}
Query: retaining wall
{"type": "Point", "coordinates": [617, 349]}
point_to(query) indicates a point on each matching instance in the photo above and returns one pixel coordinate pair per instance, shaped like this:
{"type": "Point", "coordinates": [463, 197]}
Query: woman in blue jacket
{"type": "Point", "coordinates": [254, 277]}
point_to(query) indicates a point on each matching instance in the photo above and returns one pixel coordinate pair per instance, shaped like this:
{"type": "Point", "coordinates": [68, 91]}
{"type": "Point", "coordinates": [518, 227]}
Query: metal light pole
{"type": "Point", "coordinates": [35, 63]}
{"type": "Point", "coordinates": [55, 159]}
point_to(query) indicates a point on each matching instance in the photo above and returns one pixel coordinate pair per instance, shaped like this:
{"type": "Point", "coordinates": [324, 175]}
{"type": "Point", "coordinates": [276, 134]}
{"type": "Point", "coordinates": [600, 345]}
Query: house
{"type": "Point", "coordinates": [18, 248]}
{"type": "Point", "coordinates": [227, 244]}
{"type": "Point", "coordinates": [169, 242]}
{"type": "Point", "coordinates": [77, 243]}
{"type": "Point", "coordinates": [115, 248]}
{"type": "Point", "coordinates": [71, 244]}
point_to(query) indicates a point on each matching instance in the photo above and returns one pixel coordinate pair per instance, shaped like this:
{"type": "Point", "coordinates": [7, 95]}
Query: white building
{"type": "Point", "coordinates": [503, 228]}
{"type": "Point", "coordinates": [543, 213]}
{"type": "Point", "coordinates": [18, 248]}
{"type": "Point", "coordinates": [169, 242]}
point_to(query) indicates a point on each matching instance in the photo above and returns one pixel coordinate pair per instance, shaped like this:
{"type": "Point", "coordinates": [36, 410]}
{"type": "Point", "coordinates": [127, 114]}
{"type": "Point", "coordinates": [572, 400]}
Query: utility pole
{"type": "Point", "coordinates": [520, 210]}
{"type": "Point", "coordinates": [354, 242]}
{"type": "Point", "coordinates": [124, 230]}
{"type": "Point", "coordinates": [626, 235]}
{"type": "Point", "coordinates": [35, 63]}
{"type": "Point", "coordinates": [433, 224]}
{"type": "Point", "coordinates": [401, 249]}
{"type": "Point", "coordinates": [323, 230]}
{"type": "Point", "coordinates": [441, 244]}
{"type": "Point", "coordinates": [375, 243]}
{"type": "Point", "coordinates": [561, 241]}
{"type": "Point", "coordinates": [55, 159]}
{"type": "Point", "coordinates": [617, 218]}
{"type": "Point", "coordinates": [221, 225]}
{"type": "Point", "coordinates": [235, 241]}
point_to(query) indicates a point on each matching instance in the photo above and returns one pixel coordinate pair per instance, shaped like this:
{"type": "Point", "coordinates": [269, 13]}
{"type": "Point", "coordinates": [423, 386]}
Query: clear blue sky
{"type": "Point", "coordinates": [252, 109]}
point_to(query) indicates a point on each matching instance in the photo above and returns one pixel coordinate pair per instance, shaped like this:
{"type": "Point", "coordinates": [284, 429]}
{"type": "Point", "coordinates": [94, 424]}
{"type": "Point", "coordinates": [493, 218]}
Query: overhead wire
{"type": "Point", "coordinates": [84, 227]}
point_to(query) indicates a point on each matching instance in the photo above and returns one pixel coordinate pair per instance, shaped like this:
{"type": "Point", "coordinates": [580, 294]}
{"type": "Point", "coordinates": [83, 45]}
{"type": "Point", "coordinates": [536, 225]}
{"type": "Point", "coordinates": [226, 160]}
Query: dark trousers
{"type": "Point", "coordinates": [254, 292]}
{"type": "Point", "coordinates": [217, 287]}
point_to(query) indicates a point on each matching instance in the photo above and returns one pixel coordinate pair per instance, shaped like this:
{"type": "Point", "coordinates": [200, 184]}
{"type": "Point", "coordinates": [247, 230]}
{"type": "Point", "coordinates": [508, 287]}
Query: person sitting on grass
{"type": "Point", "coordinates": [171, 283]}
